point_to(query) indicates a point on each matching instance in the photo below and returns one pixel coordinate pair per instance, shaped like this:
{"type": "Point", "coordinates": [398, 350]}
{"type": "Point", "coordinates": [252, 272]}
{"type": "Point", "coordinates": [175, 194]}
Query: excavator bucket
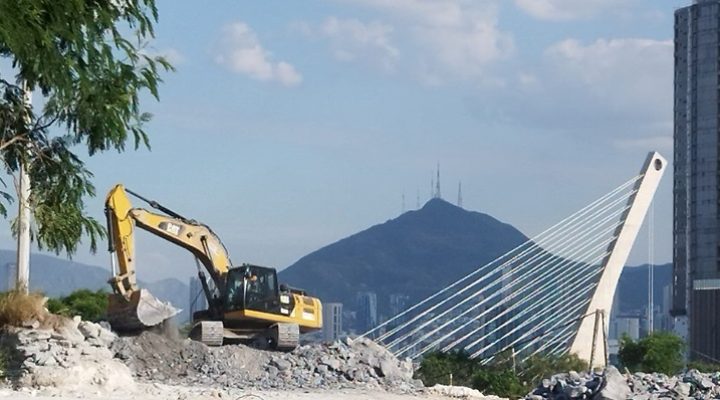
{"type": "Point", "coordinates": [142, 311]}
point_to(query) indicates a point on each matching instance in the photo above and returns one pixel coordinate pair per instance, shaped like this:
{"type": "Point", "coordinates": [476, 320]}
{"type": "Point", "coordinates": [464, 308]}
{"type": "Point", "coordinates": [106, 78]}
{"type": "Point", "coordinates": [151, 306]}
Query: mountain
{"type": "Point", "coordinates": [57, 277]}
{"type": "Point", "coordinates": [414, 255]}
{"type": "Point", "coordinates": [421, 251]}
{"type": "Point", "coordinates": [632, 291]}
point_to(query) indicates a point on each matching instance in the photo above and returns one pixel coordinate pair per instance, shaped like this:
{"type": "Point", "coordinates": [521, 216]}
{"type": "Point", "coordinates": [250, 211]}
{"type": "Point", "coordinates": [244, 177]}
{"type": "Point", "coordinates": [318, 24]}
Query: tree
{"type": "Point", "coordinates": [90, 76]}
{"type": "Point", "coordinates": [89, 305]}
{"type": "Point", "coordinates": [657, 352]}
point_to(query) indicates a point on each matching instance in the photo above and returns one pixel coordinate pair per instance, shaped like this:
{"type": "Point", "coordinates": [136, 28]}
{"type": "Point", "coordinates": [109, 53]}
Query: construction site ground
{"type": "Point", "coordinates": [163, 392]}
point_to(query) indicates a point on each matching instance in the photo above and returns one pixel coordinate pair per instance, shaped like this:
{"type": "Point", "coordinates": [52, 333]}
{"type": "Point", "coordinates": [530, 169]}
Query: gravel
{"type": "Point", "coordinates": [612, 385]}
{"type": "Point", "coordinates": [358, 363]}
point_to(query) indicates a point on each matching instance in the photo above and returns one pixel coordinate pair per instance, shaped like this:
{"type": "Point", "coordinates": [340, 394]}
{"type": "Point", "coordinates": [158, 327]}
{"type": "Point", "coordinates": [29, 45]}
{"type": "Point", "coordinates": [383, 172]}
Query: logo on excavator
{"type": "Point", "coordinates": [170, 228]}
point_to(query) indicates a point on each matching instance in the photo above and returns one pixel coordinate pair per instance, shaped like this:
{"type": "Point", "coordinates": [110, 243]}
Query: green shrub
{"type": "Point", "coordinates": [658, 352]}
{"type": "Point", "coordinates": [3, 362]}
{"type": "Point", "coordinates": [538, 367]}
{"type": "Point", "coordinates": [89, 305]}
{"type": "Point", "coordinates": [499, 382]}
{"type": "Point", "coordinates": [436, 368]}
{"type": "Point", "coordinates": [704, 367]}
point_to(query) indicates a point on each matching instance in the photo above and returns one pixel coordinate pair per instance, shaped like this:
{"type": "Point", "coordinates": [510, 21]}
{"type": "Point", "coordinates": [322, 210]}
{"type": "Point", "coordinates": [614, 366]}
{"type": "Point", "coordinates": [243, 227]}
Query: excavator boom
{"type": "Point", "coordinates": [131, 308]}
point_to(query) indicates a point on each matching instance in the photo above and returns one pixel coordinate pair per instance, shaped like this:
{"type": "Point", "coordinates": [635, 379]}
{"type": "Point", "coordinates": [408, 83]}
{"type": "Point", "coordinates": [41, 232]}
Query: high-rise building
{"type": "Point", "coordinates": [332, 321]}
{"type": "Point", "coordinates": [398, 303]}
{"type": "Point", "coordinates": [366, 311]}
{"type": "Point", "coordinates": [696, 190]}
{"type": "Point", "coordinates": [8, 276]}
{"type": "Point", "coordinates": [198, 301]}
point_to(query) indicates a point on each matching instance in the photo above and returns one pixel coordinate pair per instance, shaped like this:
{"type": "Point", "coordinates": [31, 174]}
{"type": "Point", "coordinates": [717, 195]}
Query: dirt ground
{"type": "Point", "coordinates": [166, 392]}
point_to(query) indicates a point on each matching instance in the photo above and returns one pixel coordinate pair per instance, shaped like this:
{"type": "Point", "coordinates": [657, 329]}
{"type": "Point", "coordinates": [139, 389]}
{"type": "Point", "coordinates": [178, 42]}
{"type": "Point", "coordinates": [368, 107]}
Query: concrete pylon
{"type": "Point", "coordinates": [590, 337]}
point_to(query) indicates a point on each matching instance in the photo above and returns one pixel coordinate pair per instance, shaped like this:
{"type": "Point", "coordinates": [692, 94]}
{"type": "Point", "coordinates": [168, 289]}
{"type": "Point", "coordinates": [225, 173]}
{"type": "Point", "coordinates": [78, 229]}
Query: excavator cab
{"type": "Point", "coordinates": [251, 287]}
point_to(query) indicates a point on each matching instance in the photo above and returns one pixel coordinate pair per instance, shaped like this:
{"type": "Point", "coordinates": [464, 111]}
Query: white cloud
{"type": "Point", "coordinates": [633, 75]}
{"type": "Point", "coordinates": [617, 92]}
{"type": "Point", "coordinates": [558, 10]}
{"type": "Point", "coordinates": [453, 39]}
{"type": "Point", "coordinates": [353, 40]}
{"type": "Point", "coordinates": [242, 52]}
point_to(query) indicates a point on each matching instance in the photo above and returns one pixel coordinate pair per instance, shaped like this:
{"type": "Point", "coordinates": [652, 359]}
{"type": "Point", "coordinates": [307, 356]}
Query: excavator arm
{"type": "Point", "coordinates": [132, 308]}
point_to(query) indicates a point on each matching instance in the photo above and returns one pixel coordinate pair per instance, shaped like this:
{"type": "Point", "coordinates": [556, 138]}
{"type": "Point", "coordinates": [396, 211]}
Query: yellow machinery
{"type": "Point", "coordinates": [245, 303]}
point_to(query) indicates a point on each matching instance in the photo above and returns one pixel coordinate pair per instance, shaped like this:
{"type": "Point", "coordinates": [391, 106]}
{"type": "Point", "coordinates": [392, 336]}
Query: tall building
{"type": "Point", "coordinates": [8, 277]}
{"type": "Point", "coordinates": [332, 321]}
{"type": "Point", "coordinates": [398, 303]}
{"type": "Point", "coordinates": [696, 191]}
{"type": "Point", "coordinates": [366, 311]}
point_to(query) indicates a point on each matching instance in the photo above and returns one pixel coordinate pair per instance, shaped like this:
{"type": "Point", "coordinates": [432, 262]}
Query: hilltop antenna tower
{"type": "Point", "coordinates": [402, 210]}
{"type": "Point", "coordinates": [459, 203]}
{"type": "Point", "coordinates": [432, 186]}
{"type": "Point", "coordinates": [437, 184]}
{"type": "Point", "coordinates": [417, 201]}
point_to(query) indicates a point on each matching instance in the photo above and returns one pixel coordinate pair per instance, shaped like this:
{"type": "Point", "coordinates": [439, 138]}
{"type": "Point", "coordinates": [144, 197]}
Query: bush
{"type": "Point", "coordinates": [436, 368]}
{"type": "Point", "coordinates": [658, 352]}
{"type": "Point", "coordinates": [704, 367]}
{"type": "Point", "coordinates": [17, 307]}
{"type": "Point", "coordinates": [500, 382]}
{"type": "Point", "coordinates": [501, 377]}
{"type": "Point", "coordinates": [89, 305]}
{"type": "Point", "coordinates": [538, 367]}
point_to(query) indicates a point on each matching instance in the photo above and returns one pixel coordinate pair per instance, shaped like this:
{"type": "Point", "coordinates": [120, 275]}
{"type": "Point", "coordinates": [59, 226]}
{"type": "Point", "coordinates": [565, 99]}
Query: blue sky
{"type": "Point", "coordinates": [290, 125]}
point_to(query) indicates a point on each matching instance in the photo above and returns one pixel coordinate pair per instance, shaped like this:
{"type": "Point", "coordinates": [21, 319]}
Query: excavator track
{"type": "Point", "coordinates": [285, 337]}
{"type": "Point", "coordinates": [208, 332]}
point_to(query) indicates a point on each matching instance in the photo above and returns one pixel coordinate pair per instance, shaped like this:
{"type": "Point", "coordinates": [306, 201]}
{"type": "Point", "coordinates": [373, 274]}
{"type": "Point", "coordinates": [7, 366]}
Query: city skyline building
{"type": "Point", "coordinates": [367, 317]}
{"type": "Point", "coordinates": [332, 321]}
{"type": "Point", "coordinates": [696, 184]}
{"type": "Point", "coordinates": [9, 277]}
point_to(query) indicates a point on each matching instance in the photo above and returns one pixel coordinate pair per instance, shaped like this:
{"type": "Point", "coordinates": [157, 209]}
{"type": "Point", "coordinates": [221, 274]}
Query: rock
{"type": "Point", "coordinates": [70, 333]}
{"type": "Point", "coordinates": [27, 336]}
{"type": "Point", "coordinates": [683, 388]}
{"type": "Point", "coordinates": [330, 362]}
{"type": "Point", "coordinates": [281, 364]}
{"type": "Point", "coordinates": [89, 329]}
{"type": "Point", "coordinates": [616, 387]}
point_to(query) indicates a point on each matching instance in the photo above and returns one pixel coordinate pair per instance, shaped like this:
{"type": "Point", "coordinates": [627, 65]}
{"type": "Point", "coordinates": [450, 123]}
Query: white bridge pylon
{"type": "Point", "coordinates": [546, 296]}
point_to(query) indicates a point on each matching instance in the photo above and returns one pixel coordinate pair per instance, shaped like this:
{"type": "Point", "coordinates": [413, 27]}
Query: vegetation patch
{"type": "Point", "coordinates": [3, 362]}
{"type": "Point", "coordinates": [503, 377]}
{"type": "Point", "coordinates": [89, 305]}
{"type": "Point", "coordinates": [658, 352]}
{"type": "Point", "coordinates": [17, 308]}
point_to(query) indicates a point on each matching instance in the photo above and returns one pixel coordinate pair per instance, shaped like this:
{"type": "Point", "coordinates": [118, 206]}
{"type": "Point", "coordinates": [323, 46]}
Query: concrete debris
{"type": "Point", "coordinates": [459, 392]}
{"type": "Point", "coordinates": [64, 357]}
{"type": "Point", "coordinates": [613, 385]}
{"type": "Point", "coordinates": [360, 363]}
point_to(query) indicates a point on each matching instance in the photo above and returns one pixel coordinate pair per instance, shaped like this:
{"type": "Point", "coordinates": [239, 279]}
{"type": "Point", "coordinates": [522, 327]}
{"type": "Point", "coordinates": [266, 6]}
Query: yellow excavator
{"type": "Point", "coordinates": [245, 303]}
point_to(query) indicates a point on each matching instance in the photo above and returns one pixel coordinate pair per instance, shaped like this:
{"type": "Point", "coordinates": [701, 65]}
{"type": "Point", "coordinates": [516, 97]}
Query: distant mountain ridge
{"type": "Point", "coordinates": [422, 251]}
{"type": "Point", "coordinates": [59, 277]}
{"type": "Point", "coordinates": [413, 255]}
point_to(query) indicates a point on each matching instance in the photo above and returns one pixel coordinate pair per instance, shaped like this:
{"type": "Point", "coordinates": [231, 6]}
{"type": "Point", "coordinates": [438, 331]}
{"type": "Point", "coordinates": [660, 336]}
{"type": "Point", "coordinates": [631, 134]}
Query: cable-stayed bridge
{"type": "Point", "coordinates": [551, 295]}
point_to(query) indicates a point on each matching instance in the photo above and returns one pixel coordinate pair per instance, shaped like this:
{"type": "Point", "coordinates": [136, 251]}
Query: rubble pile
{"type": "Point", "coordinates": [351, 363]}
{"type": "Point", "coordinates": [612, 385]}
{"type": "Point", "coordinates": [72, 355]}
